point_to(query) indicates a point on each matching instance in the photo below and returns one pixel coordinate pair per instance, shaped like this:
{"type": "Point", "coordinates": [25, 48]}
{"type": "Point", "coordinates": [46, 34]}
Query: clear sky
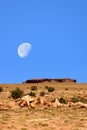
{"type": "Point", "coordinates": [57, 31]}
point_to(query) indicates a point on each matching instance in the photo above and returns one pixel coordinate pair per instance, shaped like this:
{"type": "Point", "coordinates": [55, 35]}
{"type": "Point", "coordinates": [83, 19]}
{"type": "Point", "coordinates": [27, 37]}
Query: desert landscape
{"type": "Point", "coordinates": [43, 104]}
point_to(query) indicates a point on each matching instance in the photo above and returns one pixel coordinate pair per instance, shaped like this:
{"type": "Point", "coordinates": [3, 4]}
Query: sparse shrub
{"type": "Point", "coordinates": [78, 99]}
{"type": "Point", "coordinates": [17, 93]}
{"type": "Point", "coordinates": [62, 100]}
{"type": "Point", "coordinates": [46, 87]}
{"type": "Point", "coordinates": [33, 94]}
{"type": "Point", "coordinates": [50, 89]}
{"type": "Point", "coordinates": [33, 88]}
{"type": "Point", "coordinates": [83, 100]}
{"type": "Point", "coordinates": [66, 89]}
{"type": "Point", "coordinates": [42, 93]}
{"type": "Point", "coordinates": [1, 89]}
{"type": "Point", "coordinates": [74, 99]}
{"type": "Point", "coordinates": [43, 124]}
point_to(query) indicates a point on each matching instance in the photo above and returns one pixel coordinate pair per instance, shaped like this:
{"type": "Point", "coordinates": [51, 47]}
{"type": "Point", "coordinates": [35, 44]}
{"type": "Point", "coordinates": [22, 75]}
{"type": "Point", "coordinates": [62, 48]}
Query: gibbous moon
{"type": "Point", "coordinates": [24, 49]}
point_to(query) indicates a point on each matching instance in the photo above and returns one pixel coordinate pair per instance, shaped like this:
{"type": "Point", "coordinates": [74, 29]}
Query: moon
{"type": "Point", "coordinates": [24, 49]}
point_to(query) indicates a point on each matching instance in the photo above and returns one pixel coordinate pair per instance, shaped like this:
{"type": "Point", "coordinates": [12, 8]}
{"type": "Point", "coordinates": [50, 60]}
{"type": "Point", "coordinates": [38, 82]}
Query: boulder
{"type": "Point", "coordinates": [80, 105]}
{"type": "Point", "coordinates": [33, 105]}
{"type": "Point", "coordinates": [25, 101]}
{"type": "Point", "coordinates": [56, 104]}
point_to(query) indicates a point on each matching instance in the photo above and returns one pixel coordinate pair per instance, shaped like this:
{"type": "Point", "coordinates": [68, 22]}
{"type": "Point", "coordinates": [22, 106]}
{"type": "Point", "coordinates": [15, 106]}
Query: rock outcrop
{"type": "Point", "coordinates": [62, 80]}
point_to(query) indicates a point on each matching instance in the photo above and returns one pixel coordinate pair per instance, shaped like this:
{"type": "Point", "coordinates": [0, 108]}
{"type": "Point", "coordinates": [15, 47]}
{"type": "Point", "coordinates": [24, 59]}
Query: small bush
{"type": "Point", "coordinates": [17, 93]}
{"type": "Point", "coordinates": [33, 88]}
{"type": "Point", "coordinates": [33, 94]}
{"type": "Point", "coordinates": [66, 89]}
{"type": "Point", "coordinates": [1, 89]}
{"type": "Point", "coordinates": [62, 100]}
{"type": "Point", "coordinates": [42, 93]}
{"type": "Point", "coordinates": [78, 99]}
{"type": "Point", "coordinates": [46, 87]}
{"type": "Point", "coordinates": [50, 89]}
{"type": "Point", "coordinates": [74, 99]}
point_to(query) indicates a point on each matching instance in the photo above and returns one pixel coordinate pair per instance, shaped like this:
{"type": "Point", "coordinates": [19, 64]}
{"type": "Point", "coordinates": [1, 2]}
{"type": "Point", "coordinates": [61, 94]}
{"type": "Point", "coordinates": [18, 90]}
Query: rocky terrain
{"type": "Point", "coordinates": [44, 105]}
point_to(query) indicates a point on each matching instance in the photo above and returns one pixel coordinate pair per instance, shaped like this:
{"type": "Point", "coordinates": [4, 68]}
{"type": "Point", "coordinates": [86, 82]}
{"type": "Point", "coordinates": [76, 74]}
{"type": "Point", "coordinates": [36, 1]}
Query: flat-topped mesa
{"type": "Point", "coordinates": [62, 80]}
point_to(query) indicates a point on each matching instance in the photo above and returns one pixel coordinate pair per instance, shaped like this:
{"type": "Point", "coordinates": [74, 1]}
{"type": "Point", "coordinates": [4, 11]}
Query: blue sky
{"type": "Point", "coordinates": [57, 31]}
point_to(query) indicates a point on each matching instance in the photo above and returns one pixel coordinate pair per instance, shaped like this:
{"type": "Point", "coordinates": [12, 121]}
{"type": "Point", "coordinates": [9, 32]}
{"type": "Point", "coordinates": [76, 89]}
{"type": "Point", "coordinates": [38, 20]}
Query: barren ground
{"type": "Point", "coordinates": [67, 118]}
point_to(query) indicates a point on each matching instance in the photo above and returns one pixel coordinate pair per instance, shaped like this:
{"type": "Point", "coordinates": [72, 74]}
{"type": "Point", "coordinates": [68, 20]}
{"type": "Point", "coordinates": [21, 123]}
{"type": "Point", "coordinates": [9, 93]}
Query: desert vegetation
{"type": "Point", "coordinates": [42, 93]}
{"type": "Point", "coordinates": [49, 89]}
{"type": "Point", "coordinates": [64, 106]}
{"type": "Point", "coordinates": [1, 89]}
{"type": "Point", "coordinates": [62, 100]}
{"type": "Point", "coordinates": [78, 99]}
{"type": "Point", "coordinates": [33, 94]}
{"type": "Point", "coordinates": [17, 93]}
{"type": "Point", "coordinates": [33, 87]}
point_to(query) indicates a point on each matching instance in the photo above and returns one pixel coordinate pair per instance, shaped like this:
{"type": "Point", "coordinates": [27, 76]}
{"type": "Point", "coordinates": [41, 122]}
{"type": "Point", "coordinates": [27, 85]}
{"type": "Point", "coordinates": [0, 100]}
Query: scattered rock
{"type": "Point", "coordinates": [25, 101]}
{"type": "Point", "coordinates": [56, 104]}
{"type": "Point", "coordinates": [4, 107]}
{"type": "Point", "coordinates": [42, 101]}
{"type": "Point", "coordinates": [33, 105]}
{"type": "Point", "coordinates": [80, 105]}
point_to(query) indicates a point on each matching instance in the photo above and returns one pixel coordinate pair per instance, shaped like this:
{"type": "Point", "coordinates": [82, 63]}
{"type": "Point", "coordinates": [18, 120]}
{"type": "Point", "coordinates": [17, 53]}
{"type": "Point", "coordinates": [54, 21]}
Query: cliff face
{"type": "Point", "coordinates": [62, 80]}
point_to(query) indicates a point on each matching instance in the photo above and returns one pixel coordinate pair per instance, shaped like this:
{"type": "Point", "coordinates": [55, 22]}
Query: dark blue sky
{"type": "Point", "coordinates": [57, 31]}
